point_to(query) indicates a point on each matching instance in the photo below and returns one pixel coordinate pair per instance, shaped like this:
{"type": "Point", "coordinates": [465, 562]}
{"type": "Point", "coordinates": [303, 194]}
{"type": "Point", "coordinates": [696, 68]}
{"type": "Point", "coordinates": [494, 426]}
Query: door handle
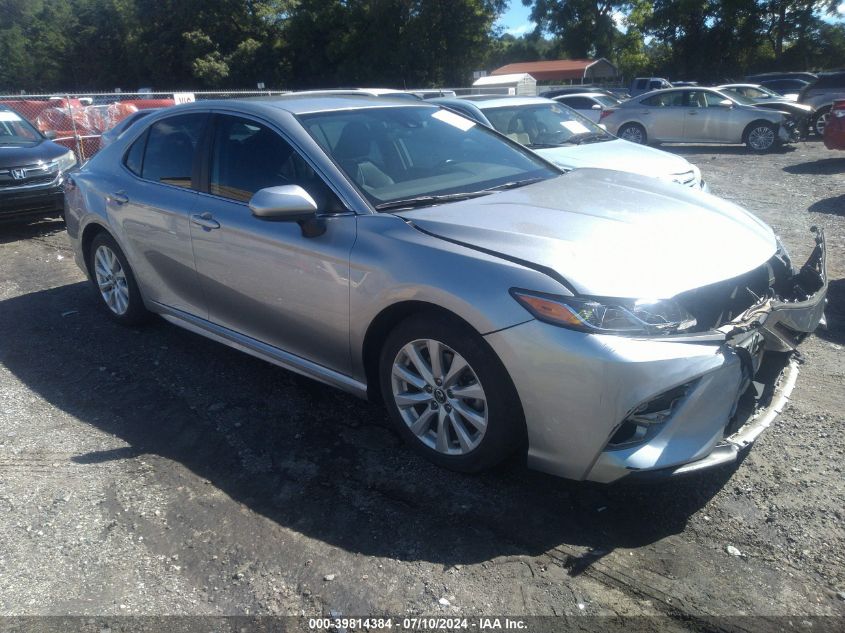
{"type": "Point", "coordinates": [119, 197]}
{"type": "Point", "coordinates": [205, 221]}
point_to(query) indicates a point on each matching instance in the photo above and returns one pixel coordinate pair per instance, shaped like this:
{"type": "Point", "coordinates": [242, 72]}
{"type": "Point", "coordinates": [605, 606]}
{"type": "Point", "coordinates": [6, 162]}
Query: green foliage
{"type": "Point", "coordinates": [48, 45]}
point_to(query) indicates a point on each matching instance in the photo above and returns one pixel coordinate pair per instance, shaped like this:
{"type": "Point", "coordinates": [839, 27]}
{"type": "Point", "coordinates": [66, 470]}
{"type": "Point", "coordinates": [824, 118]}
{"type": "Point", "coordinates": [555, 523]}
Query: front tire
{"type": "Point", "coordinates": [114, 282]}
{"type": "Point", "coordinates": [448, 394]}
{"type": "Point", "coordinates": [633, 132]}
{"type": "Point", "coordinates": [761, 136]}
{"type": "Point", "coordinates": [820, 121]}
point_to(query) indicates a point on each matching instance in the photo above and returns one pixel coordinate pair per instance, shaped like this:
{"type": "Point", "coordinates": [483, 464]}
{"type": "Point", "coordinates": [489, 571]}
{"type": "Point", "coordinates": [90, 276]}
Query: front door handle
{"type": "Point", "coordinates": [205, 221]}
{"type": "Point", "coordinates": [119, 197]}
{"type": "Point", "coordinates": [693, 113]}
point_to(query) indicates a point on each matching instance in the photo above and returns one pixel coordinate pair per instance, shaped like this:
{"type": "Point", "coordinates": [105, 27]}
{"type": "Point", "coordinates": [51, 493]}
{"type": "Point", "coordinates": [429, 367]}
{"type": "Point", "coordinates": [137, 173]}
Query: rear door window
{"type": "Point", "coordinates": [665, 100]}
{"type": "Point", "coordinates": [579, 103]}
{"type": "Point", "coordinates": [171, 148]}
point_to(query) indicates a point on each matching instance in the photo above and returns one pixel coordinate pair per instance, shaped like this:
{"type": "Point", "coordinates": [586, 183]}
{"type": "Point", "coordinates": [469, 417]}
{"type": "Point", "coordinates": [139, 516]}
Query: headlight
{"type": "Point", "coordinates": [608, 316]}
{"type": "Point", "coordinates": [64, 162]}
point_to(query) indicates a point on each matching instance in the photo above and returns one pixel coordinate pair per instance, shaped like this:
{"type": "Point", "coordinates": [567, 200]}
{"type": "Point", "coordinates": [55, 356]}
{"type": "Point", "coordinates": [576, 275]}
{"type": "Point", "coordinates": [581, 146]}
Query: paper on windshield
{"type": "Point", "coordinates": [576, 127]}
{"type": "Point", "coordinates": [5, 115]}
{"type": "Point", "coordinates": [455, 120]}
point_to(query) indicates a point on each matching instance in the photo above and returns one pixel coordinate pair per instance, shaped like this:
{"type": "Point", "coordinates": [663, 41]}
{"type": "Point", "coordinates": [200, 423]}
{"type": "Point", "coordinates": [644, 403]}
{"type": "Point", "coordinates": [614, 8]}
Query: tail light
{"type": "Point", "coordinates": [606, 113]}
{"type": "Point", "coordinates": [838, 109]}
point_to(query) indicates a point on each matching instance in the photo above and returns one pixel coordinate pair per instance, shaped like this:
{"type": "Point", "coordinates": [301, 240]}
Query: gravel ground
{"type": "Point", "coordinates": [154, 472]}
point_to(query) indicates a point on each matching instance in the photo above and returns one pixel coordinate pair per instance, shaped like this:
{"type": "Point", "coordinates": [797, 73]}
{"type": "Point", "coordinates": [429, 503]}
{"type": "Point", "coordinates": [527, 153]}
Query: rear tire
{"type": "Point", "coordinates": [633, 132]}
{"type": "Point", "coordinates": [114, 282]}
{"type": "Point", "coordinates": [448, 394]}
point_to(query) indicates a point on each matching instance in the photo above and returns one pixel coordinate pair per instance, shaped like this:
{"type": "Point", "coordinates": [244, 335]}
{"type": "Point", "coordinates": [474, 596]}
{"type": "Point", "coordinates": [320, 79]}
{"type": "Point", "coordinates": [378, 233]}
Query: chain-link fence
{"type": "Point", "coordinates": [78, 121]}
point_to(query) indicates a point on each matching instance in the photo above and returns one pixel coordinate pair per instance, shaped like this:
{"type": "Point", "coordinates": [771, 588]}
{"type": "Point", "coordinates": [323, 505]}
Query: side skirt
{"type": "Point", "coordinates": [261, 350]}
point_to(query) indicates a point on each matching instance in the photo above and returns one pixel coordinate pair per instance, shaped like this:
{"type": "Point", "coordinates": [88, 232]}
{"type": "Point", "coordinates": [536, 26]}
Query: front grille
{"type": "Point", "coordinates": [32, 175]}
{"type": "Point", "coordinates": [719, 303]}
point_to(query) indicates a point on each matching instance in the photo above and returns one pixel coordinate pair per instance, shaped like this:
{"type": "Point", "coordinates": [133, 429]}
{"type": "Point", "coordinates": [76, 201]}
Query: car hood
{"type": "Point", "coordinates": [619, 155]}
{"type": "Point", "coordinates": [786, 106]}
{"type": "Point", "coordinates": [19, 155]}
{"type": "Point", "coordinates": [609, 233]}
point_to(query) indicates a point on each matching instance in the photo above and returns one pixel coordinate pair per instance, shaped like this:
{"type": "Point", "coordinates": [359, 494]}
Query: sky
{"type": "Point", "coordinates": [516, 19]}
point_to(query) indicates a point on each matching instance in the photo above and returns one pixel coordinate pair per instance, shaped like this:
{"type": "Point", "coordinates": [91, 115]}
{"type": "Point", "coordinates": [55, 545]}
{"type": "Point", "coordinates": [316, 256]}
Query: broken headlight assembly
{"type": "Point", "coordinates": [622, 317]}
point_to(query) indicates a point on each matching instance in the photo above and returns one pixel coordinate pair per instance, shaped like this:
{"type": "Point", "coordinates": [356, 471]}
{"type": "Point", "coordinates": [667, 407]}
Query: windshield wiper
{"type": "Point", "coordinates": [514, 184]}
{"type": "Point", "coordinates": [587, 137]}
{"type": "Point", "coordinates": [424, 201]}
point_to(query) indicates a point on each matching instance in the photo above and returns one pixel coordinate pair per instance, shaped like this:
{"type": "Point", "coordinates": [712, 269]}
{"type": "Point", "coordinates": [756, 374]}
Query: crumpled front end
{"type": "Point", "coordinates": [603, 408]}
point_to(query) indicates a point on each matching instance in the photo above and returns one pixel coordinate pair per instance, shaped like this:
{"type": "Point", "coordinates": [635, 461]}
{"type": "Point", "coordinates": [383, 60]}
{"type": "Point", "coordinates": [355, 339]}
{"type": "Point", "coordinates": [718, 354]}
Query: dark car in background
{"type": "Point", "coordinates": [789, 88]}
{"type": "Point", "coordinates": [821, 94]}
{"type": "Point", "coordinates": [32, 169]}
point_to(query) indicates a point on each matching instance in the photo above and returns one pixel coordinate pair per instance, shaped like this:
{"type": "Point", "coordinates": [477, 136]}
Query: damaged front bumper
{"type": "Point", "coordinates": [603, 408]}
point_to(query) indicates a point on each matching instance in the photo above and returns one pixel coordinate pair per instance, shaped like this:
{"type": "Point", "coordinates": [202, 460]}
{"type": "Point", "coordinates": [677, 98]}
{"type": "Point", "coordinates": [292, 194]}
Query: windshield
{"type": "Point", "coordinates": [394, 154]}
{"type": "Point", "coordinates": [16, 131]}
{"type": "Point", "coordinates": [735, 96]}
{"type": "Point", "coordinates": [544, 125]}
{"type": "Point", "coordinates": [607, 100]}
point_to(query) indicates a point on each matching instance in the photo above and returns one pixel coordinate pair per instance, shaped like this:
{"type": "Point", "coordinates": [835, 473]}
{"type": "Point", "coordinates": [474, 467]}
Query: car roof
{"type": "Point", "coordinates": [581, 94]}
{"type": "Point", "coordinates": [500, 101]}
{"type": "Point", "coordinates": [679, 88]}
{"type": "Point", "coordinates": [306, 103]}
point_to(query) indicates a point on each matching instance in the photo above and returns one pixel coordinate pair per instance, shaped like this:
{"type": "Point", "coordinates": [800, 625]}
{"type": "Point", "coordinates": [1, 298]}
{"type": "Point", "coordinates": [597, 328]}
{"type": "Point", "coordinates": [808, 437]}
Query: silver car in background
{"type": "Point", "coordinates": [700, 115]}
{"type": "Point", "coordinates": [605, 323]}
{"type": "Point", "coordinates": [563, 136]}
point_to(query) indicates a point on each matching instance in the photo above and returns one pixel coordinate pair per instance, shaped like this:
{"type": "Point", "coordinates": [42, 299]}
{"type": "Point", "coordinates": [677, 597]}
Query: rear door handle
{"type": "Point", "coordinates": [205, 221]}
{"type": "Point", "coordinates": [693, 113]}
{"type": "Point", "coordinates": [119, 197]}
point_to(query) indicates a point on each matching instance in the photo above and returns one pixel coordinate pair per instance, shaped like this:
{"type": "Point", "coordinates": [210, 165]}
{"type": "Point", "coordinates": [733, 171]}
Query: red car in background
{"type": "Point", "coordinates": [834, 131]}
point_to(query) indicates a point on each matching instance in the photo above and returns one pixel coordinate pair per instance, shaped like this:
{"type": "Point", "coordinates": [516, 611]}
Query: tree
{"type": "Point", "coordinates": [585, 28]}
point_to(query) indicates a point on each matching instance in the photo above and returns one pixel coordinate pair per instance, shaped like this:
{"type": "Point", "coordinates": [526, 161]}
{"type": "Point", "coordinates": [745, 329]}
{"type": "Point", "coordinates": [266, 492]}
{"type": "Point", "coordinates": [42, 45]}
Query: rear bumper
{"type": "Point", "coordinates": [834, 132]}
{"type": "Point", "coordinates": [578, 390]}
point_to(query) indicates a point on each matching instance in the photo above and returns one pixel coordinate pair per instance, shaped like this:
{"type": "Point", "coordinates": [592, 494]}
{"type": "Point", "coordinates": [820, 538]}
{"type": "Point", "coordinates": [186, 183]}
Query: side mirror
{"type": "Point", "coordinates": [726, 103]}
{"type": "Point", "coordinates": [288, 202]}
{"type": "Point", "coordinates": [49, 134]}
{"type": "Point", "coordinates": [596, 106]}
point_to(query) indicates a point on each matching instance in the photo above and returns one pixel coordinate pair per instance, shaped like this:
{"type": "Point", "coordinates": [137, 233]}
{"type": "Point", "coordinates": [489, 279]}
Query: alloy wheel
{"type": "Point", "coordinates": [821, 122]}
{"type": "Point", "coordinates": [439, 397]}
{"type": "Point", "coordinates": [111, 280]}
{"type": "Point", "coordinates": [761, 138]}
{"type": "Point", "coordinates": [633, 134]}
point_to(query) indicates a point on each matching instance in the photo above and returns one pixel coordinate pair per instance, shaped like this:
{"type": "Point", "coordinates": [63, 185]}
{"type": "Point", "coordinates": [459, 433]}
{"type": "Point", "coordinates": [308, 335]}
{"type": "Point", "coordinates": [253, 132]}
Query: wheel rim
{"type": "Point", "coordinates": [821, 121]}
{"type": "Point", "coordinates": [439, 397]}
{"type": "Point", "coordinates": [633, 134]}
{"type": "Point", "coordinates": [761, 137]}
{"type": "Point", "coordinates": [111, 280]}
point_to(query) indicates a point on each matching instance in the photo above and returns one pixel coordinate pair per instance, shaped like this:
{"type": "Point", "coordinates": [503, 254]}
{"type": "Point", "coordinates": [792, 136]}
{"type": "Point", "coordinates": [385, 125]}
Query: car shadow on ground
{"type": "Point", "coordinates": [308, 457]}
{"type": "Point", "coordinates": [15, 231]}
{"type": "Point", "coordinates": [823, 167]}
{"type": "Point", "coordinates": [831, 206]}
{"type": "Point", "coordinates": [703, 150]}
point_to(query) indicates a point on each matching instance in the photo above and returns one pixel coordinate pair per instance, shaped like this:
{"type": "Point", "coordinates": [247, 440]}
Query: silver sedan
{"type": "Point", "coordinates": [700, 115]}
{"type": "Point", "coordinates": [605, 324]}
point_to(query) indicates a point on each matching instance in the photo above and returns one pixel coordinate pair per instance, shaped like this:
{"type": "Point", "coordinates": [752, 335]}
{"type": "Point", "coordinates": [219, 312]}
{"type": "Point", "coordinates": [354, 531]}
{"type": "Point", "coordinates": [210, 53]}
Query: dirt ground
{"type": "Point", "coordinates": [154, 472]}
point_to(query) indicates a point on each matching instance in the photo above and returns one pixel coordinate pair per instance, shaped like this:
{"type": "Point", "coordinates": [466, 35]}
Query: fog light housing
{"type": "Point", "coordinates": [646, 420]}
